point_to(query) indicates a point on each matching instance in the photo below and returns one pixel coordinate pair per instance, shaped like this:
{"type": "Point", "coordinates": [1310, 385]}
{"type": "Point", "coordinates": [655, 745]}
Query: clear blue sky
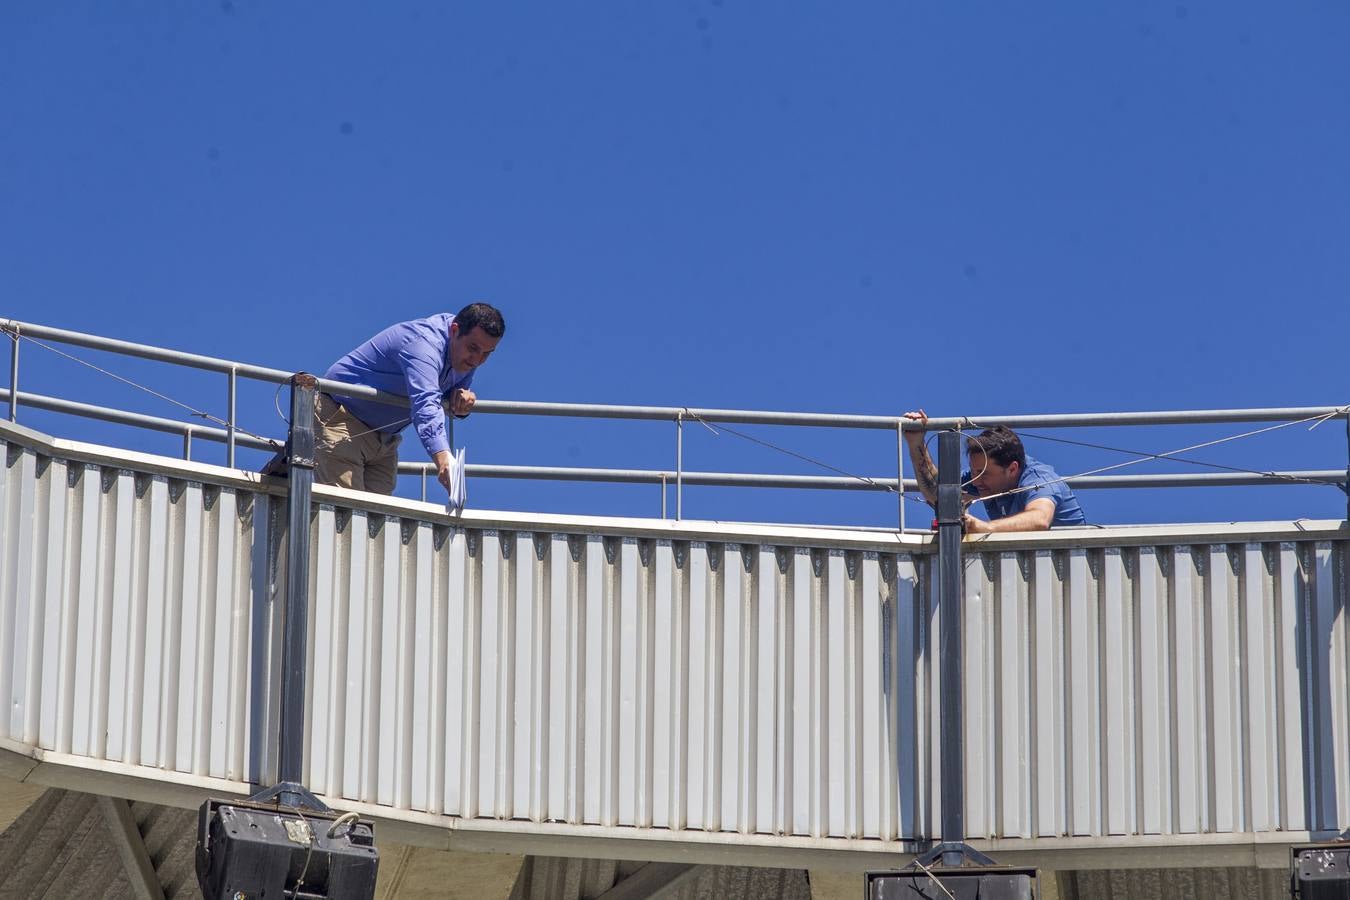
{"type": "Point", "coordinates": [977, 208]}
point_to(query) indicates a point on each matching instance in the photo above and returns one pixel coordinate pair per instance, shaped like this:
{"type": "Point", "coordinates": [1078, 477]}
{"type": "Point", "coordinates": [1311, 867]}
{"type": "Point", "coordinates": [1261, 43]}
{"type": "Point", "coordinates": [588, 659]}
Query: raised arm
{"type": "Point", "coordinates": [421, 373]}
{"type": "Point", "coordinates": [925, 471]}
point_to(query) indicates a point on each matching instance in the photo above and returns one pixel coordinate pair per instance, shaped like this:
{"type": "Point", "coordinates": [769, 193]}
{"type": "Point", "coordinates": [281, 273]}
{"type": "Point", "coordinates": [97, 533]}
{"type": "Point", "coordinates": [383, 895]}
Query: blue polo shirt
{"type": "Point", "coordinates": [411, 359]}
{"type": "Point", "coordinates": [1036, 480]}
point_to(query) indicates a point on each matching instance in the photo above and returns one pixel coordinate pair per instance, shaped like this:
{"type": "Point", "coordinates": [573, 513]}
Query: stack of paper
{"type": "Point", "coordinates": [458, 492]}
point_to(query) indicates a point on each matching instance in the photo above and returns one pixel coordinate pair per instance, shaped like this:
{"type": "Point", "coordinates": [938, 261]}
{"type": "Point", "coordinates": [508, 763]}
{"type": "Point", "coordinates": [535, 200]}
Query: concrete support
{"type": "Point", "coordinates": [130, 846]}
{"type": "Point", "coordinates": [654, 881]}
{"type": "Point", "coordinates": [557, 878]}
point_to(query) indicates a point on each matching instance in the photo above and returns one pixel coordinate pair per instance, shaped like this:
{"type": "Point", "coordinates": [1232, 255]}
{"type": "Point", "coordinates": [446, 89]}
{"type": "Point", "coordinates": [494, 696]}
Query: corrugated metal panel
{"type": "Point", "coordinates": [1157, 690]}
{"type": "Point", "coordinates": [668, 679]}
{"type": "Point", "coordinates": [609, 681]}
{"type": "Point", "coordinates": [782, 690]}
{"type": "Point", "coordinates": [127, 616]}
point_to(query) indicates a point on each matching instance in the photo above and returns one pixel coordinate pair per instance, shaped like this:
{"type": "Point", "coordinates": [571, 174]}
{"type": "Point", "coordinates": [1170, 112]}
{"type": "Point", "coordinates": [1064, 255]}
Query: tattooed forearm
{"type": "Point", "coordinates": [925, 472]}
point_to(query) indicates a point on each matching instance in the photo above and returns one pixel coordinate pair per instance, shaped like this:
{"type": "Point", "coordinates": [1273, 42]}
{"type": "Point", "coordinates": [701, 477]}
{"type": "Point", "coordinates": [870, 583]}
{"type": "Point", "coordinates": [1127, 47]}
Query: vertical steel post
{"type": "Point", "coordinates": [663, 495]}
{"type": "Point", "coordinates": [14, 375]}
{"type": "Point", "coordinates": [187, 444]}
{"type": "Point", "coordinates": [679, 467]}
{"type": "Point", "coordinates": [900, 469]}
{"type": "Point", "coordinates": [233, 399]}
{"type": "Point", "coordinates": [425, 468]}
{"type": "Point", "coordinates": [949, 600]}
{"type": "Point", "coordinates": [300, 475]}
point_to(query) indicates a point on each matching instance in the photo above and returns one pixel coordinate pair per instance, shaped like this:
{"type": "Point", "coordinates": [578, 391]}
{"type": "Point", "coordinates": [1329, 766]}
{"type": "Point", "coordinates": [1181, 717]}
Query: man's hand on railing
{"type": "Point", "coordinates": [460, 401]}
{"type": "Point", "coordinates": [914, 438]}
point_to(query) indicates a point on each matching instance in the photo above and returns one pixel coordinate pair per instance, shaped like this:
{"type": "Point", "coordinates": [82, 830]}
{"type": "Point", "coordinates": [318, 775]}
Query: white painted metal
{"type": "Point", "coordinates": [118, 597]}
{"type": "Point", "coordinates": [744, 683]}
{"type": "Point", "coordinates": [1157, 722]}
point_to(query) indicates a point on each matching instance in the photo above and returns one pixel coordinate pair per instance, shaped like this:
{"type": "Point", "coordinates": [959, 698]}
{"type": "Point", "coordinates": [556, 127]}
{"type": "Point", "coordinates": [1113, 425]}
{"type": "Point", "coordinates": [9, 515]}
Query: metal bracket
{"type": "Point", "coordinates": [964, 851]}
{"type": "Point", "coordinates": [291, 794]}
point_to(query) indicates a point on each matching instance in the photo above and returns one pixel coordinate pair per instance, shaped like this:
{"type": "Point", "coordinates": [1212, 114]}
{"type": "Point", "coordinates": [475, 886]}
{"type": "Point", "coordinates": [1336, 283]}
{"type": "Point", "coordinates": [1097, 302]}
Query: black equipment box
{"type": "Point", "coordinates": [1320, 871]}
{"type": "Point", "coordinates": [968, 883]}
{"type": "Point", "coordinates": [253, 850]}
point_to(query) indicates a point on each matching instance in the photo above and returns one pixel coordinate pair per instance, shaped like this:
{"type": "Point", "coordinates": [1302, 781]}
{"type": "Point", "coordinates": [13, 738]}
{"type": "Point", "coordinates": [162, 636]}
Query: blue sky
{"type": "Point", "coordinates": [977, 208]}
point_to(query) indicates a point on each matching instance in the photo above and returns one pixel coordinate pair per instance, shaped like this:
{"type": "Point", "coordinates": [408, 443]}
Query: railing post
{"type": "Point", "coordinates": [949, 600]}
{"type": "Point", "coordinates": [14, 374]}
{"type": "Point", "coordinates": [679, 466]}
{"type": "Point", "coordinates": [233, 398]}
{"type": "Point", "coordinates": [900, 469]}
{"type": "Point", "coordinates": [187, 444]}
{"type": "Point", "coordinates": [663, 495]}
{"type": "Point", "coordinates": [300, 477]}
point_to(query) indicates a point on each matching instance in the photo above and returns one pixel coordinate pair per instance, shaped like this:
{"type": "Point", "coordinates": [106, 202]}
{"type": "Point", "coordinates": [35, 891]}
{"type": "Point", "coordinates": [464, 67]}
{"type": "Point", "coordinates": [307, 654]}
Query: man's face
{"type": "Point", "coordinates": [988, 477]}
{"type": "Point", "coordinates": [471, 350]}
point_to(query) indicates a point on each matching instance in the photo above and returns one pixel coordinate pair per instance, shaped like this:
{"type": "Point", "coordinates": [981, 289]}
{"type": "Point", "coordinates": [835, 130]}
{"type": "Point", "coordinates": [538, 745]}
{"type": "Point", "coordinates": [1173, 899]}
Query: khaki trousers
{"type": "Point", "coordinates": [348, 453]}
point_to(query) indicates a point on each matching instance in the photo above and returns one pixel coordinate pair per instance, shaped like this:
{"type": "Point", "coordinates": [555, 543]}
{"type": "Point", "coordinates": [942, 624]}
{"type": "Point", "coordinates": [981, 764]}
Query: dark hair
{"type": "Point", "coordinates": [481, 315]}
{"type": "Point", "coordinates": [1001, 444]}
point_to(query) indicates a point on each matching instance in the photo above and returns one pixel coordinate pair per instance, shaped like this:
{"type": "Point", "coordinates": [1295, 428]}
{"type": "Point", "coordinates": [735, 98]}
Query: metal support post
{"type": "Point", "coordinates": [14, 374]}
{"type": "Point", "coordinates": [280, 839]}
{"type": "Point", "coordinates": [663, 495]}
{"type": "Point", "coordinates": [232, 402]}
{"type": "Point", "coordinates": [952, 858]}
{"type": "Point", "coordinates": [949, 599]}
{"type": "Point", "coordinates": [300, 480]}
{"type": "Point", "coordinates": [679, 467]}
{"type": "Point", "coordinates": [187, 444]}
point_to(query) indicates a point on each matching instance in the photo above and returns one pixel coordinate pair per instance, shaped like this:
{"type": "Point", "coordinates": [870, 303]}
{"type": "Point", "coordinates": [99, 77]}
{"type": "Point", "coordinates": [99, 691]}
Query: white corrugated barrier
{"type": "Point", "coordinates": [646, 688]}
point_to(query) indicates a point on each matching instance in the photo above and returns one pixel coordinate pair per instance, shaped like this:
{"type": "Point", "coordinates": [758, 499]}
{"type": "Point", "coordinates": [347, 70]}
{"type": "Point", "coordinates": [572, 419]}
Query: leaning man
{"type": "Point", "coordinates": [431, 362]}
{"type": "Point", "coordinates": [1019, 493]}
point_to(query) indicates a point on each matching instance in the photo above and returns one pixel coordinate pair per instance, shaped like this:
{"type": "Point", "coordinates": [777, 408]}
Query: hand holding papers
{"type": "Point", "coordinates": [455, 483]}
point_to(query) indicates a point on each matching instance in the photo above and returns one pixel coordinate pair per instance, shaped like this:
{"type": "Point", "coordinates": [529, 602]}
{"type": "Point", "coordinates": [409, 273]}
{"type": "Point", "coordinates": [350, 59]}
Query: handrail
{"type": "Point", "coordinates": [181, 358]}
{"type": "Point", "coordinates": [674, 413]}
{"type": "Point", "coordinates": [659, 476]}
{"type": "Point", "coordinates": [890, 423]}
{"type": "Point", "coordinates": [677, 414]}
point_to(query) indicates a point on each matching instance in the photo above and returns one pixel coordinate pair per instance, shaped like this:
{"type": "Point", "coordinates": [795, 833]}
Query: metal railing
{"type": "Point", "coordinates": [679, 476]}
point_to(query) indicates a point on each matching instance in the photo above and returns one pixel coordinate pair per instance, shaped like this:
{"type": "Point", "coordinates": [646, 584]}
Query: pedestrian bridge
{"type": "Point", "coordinates": [674, 690]}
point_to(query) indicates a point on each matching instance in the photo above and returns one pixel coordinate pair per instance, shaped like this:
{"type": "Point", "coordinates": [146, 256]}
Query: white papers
{"type": "Point", "coordinates": [458, 492]}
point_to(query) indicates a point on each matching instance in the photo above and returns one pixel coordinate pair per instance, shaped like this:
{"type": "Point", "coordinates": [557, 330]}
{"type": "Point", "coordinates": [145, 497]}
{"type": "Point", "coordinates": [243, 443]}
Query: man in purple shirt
{"type": "Point", "coordinates": [431, 362]}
